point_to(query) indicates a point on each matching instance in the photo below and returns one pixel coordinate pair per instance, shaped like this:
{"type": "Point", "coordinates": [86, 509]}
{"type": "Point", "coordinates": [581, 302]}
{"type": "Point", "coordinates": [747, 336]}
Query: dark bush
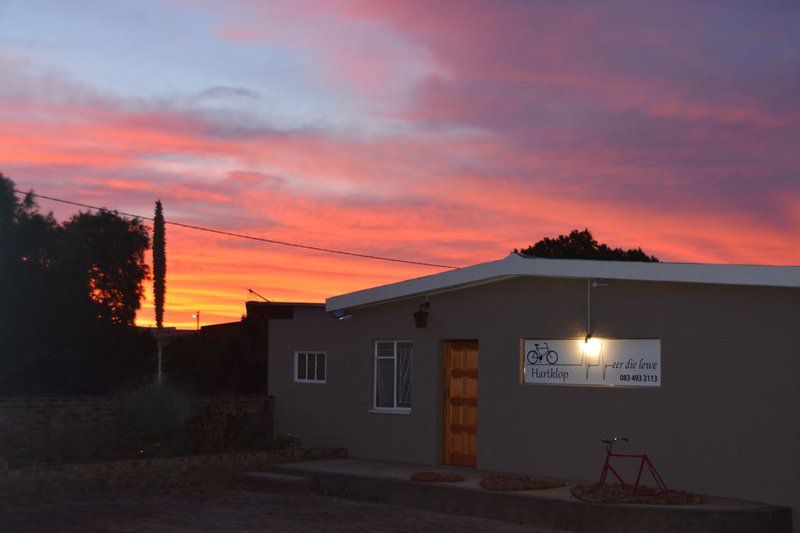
{"type": "Point", "coordinates": [155, 417]}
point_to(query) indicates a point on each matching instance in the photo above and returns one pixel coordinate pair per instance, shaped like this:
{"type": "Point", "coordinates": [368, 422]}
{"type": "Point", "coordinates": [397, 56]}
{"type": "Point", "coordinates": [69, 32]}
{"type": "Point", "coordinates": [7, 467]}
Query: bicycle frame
{"type": "Point", "coordinates": [645, 461]}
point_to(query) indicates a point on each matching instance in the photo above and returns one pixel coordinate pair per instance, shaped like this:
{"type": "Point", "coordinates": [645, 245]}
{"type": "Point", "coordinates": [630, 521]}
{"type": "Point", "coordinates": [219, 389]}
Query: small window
{"type": "Point", "coordinates": [310, 367]}
{"type": "Point", "coordinates": [393, 364]}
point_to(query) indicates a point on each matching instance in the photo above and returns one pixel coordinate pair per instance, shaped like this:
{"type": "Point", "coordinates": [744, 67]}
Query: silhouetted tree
{"type": "Point", "coordinates": [105, 253]}
{"type": "Point", "coordinates": [159, 275]}
{"type": "Point", "coordinates": [27, 242]}
{"type": "Point", "coordinates": [582, 245]}
{"type": "Point", "coordinates": [68, 297]}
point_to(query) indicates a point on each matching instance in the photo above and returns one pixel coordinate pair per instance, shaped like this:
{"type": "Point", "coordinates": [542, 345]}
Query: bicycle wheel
{"type": "Point", "coordinates": [533, 357]}
{"type": "Point", "coordinates": [552, 357]}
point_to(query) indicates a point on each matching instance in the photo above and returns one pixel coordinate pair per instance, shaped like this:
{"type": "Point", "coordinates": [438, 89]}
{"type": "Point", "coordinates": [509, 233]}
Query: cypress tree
{"type": "Point", "coordinates": [159, 275]}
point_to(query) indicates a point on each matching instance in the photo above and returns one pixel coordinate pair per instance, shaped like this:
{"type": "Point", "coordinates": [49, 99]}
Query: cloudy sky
{"type": "Point", "coordinates": [440, 132]}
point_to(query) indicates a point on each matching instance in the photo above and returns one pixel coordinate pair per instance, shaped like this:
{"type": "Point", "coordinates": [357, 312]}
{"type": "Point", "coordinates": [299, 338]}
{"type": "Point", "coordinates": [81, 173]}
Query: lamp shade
{"type": "Point", "coordinates": [421, 318]}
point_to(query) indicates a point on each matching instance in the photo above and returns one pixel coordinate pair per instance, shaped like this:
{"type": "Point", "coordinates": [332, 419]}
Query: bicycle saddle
{"type": "Point", "coordinates": [613, 440]}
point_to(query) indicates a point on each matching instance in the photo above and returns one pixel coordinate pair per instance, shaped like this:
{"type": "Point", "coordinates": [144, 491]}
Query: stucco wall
{"type": "Point", "coordinates": [725, 421]}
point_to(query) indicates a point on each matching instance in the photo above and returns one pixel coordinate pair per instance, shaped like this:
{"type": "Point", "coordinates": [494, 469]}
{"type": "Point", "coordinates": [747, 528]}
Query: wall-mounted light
{"type": "Point", "coordinates": [592, 347]}
{"type": "Point", "coordinates": [342, 314]}
{"type": "Point", "coordinates": [421, 316]}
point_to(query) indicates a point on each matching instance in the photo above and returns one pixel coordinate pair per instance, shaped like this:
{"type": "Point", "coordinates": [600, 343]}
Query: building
{"type": "Point", "coordinates": [233, 357]}
{"type": "Point", "coordinates": [168, 334]}
{"type": "Point", "coordinates": [524, 364]}
{"type": "Point", "coordinates": [256, 326]}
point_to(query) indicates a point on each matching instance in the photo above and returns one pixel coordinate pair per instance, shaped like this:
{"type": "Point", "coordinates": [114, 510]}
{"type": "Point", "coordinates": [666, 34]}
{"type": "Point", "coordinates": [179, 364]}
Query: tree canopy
{"type": "Point", "coordinates": [69, 293]}
{"type": "Point", "coordinates": [582, 245]}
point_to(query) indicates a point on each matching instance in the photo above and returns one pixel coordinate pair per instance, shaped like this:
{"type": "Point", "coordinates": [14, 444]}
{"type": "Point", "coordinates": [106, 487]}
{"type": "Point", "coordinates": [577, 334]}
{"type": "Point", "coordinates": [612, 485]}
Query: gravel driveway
{"type": "Point", "coordinates": [230, 510]}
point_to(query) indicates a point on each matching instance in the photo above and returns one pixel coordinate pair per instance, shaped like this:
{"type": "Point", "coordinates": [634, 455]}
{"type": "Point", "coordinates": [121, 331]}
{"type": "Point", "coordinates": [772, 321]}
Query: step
{"type": "Point", "coordinates": [275, 483]}
{"type": "Point", "coordinates": [555, 508]}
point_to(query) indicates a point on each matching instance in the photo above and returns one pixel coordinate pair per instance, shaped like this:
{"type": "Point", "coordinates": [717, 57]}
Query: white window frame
{"type": "Point", "coordinates": [388, 410]}
{"type": "Point", "coordinates": [305, 353]}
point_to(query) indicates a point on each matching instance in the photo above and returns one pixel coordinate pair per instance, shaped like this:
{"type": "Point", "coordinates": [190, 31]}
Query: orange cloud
{"type": "Point", "coordinates": [481, 130]}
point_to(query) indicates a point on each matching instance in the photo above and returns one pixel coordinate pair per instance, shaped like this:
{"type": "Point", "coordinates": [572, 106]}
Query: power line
{"type": "Point", "coordinates": [242, 235]}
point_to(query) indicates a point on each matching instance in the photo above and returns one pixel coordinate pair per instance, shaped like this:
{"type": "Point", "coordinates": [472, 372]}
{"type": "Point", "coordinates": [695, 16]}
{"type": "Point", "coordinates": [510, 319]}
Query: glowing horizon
{"type": "Point", "coordinates": [445, 133]}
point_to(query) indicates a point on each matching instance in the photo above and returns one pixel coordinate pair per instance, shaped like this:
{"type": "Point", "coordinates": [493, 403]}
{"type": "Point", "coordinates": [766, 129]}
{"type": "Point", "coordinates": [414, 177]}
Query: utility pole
{"type": "Point", "coordinates": [196, 315]}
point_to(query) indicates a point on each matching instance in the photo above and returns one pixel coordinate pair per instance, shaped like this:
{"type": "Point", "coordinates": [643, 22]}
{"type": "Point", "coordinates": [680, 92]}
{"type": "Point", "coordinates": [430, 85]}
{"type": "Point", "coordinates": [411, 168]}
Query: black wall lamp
{"type": "Point", "coordinates": [421, 316]}
{"type": "Point", "coordinates": [591, 345]}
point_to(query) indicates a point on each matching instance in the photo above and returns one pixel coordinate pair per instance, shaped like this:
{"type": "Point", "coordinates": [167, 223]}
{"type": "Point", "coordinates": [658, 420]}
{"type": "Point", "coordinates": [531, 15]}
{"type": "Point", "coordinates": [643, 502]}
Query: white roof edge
{"type": "Point", "coordinates": [516, 265]}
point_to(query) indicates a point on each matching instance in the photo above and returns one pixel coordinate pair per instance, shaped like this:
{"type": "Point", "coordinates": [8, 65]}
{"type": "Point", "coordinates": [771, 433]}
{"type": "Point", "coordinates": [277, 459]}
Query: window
{"type": "Point", "coordinates": [309, 367]}
{"type": "Point", "coordinates": [393, 376]}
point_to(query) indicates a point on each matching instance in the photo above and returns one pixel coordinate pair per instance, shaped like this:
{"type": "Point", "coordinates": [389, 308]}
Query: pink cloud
{"type": "Point", "coordinates": [511, 124]}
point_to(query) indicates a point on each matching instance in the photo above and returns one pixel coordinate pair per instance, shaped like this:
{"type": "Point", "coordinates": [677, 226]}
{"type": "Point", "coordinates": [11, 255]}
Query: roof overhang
{"type": "Point", "coordinates": [516, 265]}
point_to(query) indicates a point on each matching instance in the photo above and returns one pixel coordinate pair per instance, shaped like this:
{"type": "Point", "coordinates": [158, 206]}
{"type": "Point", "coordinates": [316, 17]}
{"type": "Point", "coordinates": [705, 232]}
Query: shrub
{"type": "Point", "coordinates": [155, 416]}
{"type": "Point", "coordinates": [223, 428]}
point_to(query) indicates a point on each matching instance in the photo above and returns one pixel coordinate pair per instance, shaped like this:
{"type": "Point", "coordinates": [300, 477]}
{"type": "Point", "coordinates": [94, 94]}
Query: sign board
{"type": "Point", "coordinates": [605, 362]}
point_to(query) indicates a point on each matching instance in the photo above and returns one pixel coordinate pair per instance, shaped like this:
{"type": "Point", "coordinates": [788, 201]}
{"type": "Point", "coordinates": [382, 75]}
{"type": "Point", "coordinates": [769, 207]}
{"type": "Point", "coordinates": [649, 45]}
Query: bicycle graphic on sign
{"type": "Point", "coordinates": [541, 351]}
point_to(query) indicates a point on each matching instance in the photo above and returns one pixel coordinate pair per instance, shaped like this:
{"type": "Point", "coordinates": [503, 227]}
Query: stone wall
{"type": "Point", "coordinates": [56, 430]}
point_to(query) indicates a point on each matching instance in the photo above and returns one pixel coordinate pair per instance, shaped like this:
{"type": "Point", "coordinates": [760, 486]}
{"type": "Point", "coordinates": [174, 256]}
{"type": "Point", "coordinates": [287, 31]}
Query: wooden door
{"type": "Point", "coordinates": [461, 403]}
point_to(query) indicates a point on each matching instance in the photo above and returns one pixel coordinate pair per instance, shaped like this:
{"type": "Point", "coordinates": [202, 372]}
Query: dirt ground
{"type": "Point", "coordinates": [228, 509]}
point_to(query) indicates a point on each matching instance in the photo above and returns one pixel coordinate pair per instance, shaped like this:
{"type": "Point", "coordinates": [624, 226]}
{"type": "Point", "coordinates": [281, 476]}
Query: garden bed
{"type": "Point", "coordinates": [505, 482]}
{"type": "Point", "coordinates": [436, 477]}
{"type": "Point", "coordinates": [644, 495]}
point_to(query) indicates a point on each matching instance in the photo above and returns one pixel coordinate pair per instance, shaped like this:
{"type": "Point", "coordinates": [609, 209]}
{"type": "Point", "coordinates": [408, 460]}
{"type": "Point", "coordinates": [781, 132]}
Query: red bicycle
{"type": "Point", "coordinates": [645, 461]}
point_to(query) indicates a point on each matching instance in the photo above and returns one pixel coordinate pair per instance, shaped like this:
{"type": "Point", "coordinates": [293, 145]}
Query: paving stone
{"type": "Point", "coordinates": [275, 483]}
{"type": "Point", "coordinates": [232, 510]}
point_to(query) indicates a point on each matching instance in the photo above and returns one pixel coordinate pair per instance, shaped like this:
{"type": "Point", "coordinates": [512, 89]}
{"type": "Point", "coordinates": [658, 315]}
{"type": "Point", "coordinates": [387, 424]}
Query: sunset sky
{"type": "Point", "coordinates": [441, 132]}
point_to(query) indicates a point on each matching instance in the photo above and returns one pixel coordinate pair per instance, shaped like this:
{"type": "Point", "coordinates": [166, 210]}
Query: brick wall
{"type": "Point", "coordinates": [54, 430]}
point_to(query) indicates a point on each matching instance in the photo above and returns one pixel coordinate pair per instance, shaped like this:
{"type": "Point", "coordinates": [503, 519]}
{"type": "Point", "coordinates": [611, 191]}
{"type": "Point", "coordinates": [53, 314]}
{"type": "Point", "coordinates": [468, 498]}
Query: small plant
{"type": "Point", "coordinates": [155, 415]}
{"type": "Point", "coordinates": [290, 441]}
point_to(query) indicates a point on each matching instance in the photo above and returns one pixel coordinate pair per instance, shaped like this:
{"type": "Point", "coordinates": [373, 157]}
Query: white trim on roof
{"type": "Point", "coordinates": [515, 265]}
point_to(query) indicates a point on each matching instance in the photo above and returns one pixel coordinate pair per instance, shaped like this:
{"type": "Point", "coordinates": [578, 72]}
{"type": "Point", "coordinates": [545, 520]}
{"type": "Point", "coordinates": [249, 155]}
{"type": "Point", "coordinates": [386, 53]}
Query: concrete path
{"type": "Point", "coordinates": [388, 482]}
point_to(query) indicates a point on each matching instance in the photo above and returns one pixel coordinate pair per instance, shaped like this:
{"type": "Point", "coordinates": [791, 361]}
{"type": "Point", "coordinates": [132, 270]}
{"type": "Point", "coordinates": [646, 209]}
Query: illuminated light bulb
{"type": "Point", "coordinates": [591, 347]}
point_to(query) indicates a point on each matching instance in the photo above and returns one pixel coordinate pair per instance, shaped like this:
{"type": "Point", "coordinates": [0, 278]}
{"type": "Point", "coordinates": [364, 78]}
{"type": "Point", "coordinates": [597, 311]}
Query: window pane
{"type": "Point", "coordinates": [384, 382]}
{"type": "Point", "coordinates": [385, 349]}
{"type": "Point", "coordinates": [301, 365]}
{"type": "Point", "coordinates": [321, 367]}
{"type": "Point", "coordinates": [404, 367]}
{"type": "Point", "coordinates": [311, 367]}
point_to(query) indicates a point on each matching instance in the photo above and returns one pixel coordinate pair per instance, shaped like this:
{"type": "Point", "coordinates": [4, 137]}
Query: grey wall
{"type": "Point", "coordinates": [725, 421]}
